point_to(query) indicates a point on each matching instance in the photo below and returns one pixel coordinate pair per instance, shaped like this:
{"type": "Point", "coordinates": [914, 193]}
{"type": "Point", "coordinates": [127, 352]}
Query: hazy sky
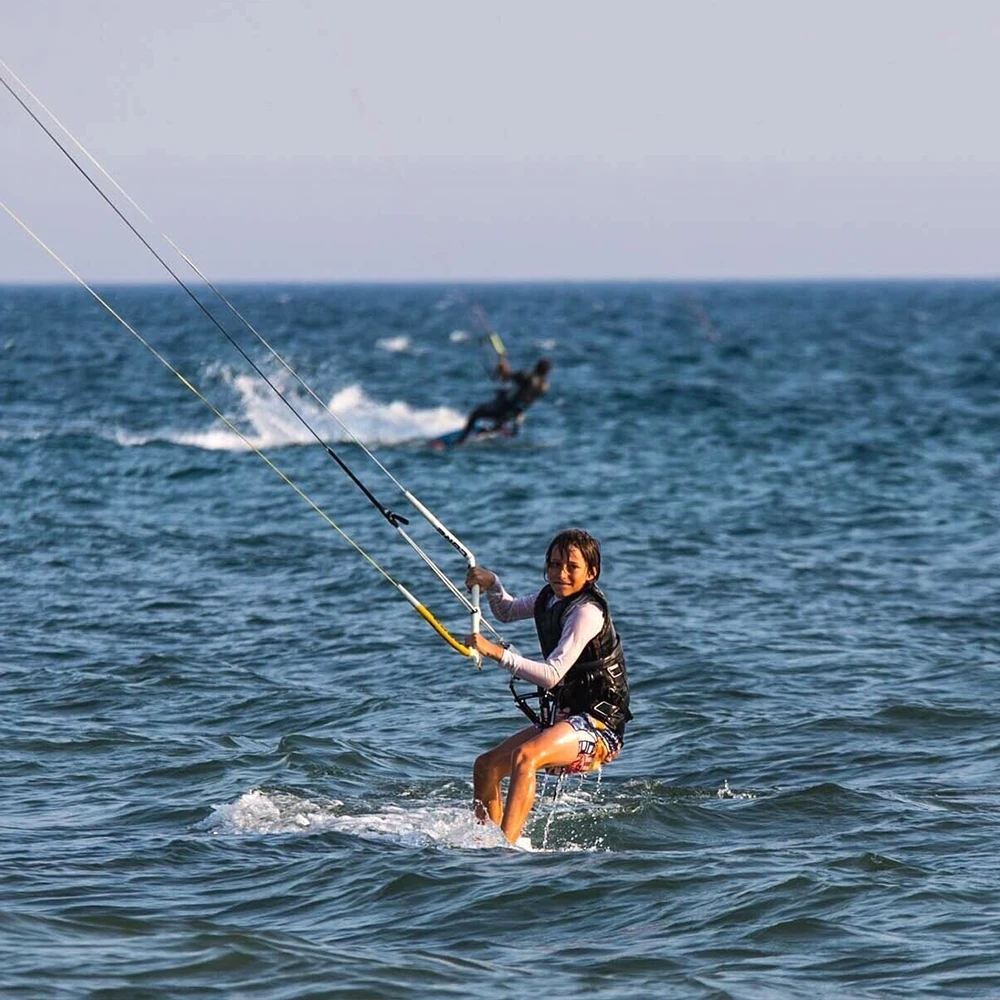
{"type": "Point", "coordinates": [454, 139]}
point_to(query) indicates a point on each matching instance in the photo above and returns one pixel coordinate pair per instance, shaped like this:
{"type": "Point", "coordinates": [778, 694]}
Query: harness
{"type": "Point", "coordinates": [597, 683]}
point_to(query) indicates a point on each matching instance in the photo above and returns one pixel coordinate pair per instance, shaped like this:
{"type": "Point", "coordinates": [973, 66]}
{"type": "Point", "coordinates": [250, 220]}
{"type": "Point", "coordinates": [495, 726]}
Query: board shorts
{"type": "Point", "coordinates": [596, 745]}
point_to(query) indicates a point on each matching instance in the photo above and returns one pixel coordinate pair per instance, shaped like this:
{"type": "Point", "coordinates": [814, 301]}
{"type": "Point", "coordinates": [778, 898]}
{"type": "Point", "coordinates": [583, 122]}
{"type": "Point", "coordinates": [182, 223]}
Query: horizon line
{"type": "Point", "coordinates": [438, 282]}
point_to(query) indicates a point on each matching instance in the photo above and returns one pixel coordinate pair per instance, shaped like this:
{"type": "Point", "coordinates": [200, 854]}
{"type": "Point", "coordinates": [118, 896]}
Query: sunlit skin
{"type": "Point", "coordinates": [525, 753]}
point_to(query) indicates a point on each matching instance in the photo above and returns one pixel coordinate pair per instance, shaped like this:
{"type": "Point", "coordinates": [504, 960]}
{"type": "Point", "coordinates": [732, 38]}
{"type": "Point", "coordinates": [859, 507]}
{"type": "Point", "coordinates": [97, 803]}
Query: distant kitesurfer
{"type": "Point", "coordinates": [582, 682]}
{"type": "Point", "coordinates": [508, 406]}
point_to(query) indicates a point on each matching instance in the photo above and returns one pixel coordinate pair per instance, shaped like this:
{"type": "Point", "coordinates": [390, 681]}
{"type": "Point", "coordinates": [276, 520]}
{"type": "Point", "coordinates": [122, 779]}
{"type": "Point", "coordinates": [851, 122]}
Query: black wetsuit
{"type": "Point", "coordinates": [508, 405]}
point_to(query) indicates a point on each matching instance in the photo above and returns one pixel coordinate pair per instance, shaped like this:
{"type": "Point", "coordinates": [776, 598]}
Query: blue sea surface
{"type": "Point", "coordinates": [236, 763]}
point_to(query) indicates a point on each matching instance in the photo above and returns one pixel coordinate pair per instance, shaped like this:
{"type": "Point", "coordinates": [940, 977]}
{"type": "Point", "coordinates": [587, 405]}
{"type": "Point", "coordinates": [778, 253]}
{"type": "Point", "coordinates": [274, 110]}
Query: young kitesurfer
{"type": "Point", "coordinates": [582, 682]}
{"type": "Point", "coordinates": [508, 405]}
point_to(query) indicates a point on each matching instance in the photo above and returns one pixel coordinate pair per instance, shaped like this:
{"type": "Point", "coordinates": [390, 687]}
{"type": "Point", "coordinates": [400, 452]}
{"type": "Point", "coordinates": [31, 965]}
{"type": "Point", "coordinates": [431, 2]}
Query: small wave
{"type": "Point", "coordinates": [395, 345]}
{"type": "Point", "coordinates": [725, 792]}
{"type": "Point", "coordinates": [646, 791]}
{"type": "Point", "coordinates": [871, 862]}
{"type": "Point", "coordinates": [973, 718]}
{"type": "Point", "coordinates": [26, 435]}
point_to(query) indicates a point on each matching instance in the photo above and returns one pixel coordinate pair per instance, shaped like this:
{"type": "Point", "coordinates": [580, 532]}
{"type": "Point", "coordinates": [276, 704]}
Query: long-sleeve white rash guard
{"type": "Point", "coordinates": [582, 624]}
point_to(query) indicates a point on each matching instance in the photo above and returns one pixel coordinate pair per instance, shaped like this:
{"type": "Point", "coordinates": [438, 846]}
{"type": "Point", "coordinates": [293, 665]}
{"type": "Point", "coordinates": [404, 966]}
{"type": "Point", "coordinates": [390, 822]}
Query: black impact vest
{"type": "Point", "coordinates": [598, 682]}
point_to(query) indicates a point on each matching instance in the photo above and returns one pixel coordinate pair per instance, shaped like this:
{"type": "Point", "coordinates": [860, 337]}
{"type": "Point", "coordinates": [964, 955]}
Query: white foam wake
{"type": "Point", "coordinates": [268, 423]}
{"type": "Point", "coordinates": [414, 825]}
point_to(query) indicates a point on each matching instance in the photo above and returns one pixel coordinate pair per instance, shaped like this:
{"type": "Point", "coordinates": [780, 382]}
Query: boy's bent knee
{"type": "Point", "coordinates": [485, 765]}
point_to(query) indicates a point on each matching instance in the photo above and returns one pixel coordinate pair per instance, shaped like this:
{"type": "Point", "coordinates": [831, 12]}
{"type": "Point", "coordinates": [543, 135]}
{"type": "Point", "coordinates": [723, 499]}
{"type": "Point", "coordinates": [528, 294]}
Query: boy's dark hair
{"type": "Point", "coordinates": [589, 548]}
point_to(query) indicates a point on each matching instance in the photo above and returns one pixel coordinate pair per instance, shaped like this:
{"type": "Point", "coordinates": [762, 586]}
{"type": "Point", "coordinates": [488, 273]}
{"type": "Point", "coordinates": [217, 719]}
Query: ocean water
{"type": "Point", "coordinates": [237, 764]}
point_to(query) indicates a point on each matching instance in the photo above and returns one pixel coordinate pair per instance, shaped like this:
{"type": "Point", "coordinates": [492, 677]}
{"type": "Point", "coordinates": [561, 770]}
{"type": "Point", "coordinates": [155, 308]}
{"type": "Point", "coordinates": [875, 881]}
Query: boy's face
{"type": "Point", "coordinates": [568, 572]}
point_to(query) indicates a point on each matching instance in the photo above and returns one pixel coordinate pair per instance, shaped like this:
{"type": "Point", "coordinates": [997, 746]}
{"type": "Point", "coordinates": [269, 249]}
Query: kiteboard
{"type": "Point", "coordinates": [445, 442]}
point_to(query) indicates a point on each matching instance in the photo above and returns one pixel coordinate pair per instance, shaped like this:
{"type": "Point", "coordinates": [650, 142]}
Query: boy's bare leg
{"type": "Point", "coordinates": [557, 746]}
